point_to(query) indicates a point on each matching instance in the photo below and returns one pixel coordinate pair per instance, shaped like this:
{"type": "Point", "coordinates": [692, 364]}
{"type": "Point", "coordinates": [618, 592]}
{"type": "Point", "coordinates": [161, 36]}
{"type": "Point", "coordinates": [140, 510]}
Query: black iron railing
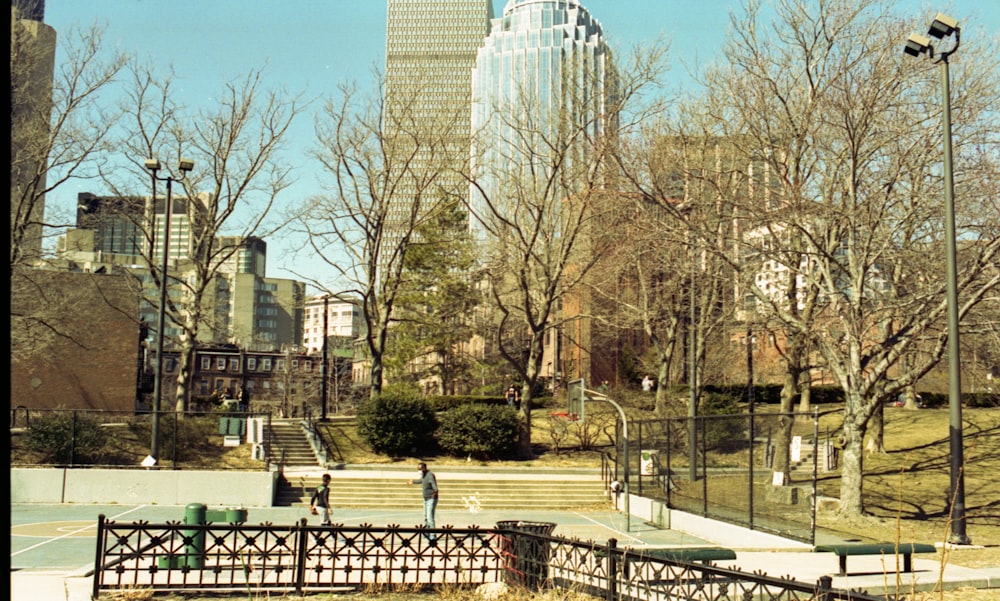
{"type": "Point", "coordinates": [300, 558]}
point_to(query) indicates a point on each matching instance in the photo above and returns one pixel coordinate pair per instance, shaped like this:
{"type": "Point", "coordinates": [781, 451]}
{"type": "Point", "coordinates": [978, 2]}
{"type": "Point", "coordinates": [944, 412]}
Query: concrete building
{"type": "Point", "coordinates": [242, 306]}
{"type": "Point", "coordinates": [430, 49]}
{"type": "Point", "coordinates": [32, 64]}
{"type": "Point", "coordinates": [343, 320]}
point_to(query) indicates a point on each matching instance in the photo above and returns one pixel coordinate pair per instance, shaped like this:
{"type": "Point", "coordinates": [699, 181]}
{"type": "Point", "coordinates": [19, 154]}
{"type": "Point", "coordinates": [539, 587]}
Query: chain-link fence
{"type": "Point", "coordinates": [103, 438]}
{"type": "Point", "coordinates": [753, 470]}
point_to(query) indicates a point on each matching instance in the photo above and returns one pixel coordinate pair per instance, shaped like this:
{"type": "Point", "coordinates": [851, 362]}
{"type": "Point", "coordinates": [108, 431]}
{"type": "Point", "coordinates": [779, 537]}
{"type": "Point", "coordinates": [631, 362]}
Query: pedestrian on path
{"type": "Point", "coordinates": [513, 398]}
{"type": "Point", "coordinates": [429, 485]}
{"type": "Point", "coordinates": [320, 502]}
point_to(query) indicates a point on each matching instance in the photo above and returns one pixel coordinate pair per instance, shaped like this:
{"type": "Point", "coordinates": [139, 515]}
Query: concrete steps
{"type": "Point", "coordinates": [525, 489]}
{"type": "Point", "coordinates": [290, 445]}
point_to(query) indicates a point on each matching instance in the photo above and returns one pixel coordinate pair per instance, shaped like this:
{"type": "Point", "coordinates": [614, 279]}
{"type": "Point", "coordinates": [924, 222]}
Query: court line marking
{"type": "Point", "coordinates": [611, 528]}
{"type": "Point", "coordinates": [71, 533]}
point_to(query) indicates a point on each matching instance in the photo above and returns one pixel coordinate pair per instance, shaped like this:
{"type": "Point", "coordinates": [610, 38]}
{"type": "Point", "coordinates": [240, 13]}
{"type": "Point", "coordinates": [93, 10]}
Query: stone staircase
{"type": "Point", "coordinates": [527, 488]}
{"type": "Point", "coordinates": [289, 444]}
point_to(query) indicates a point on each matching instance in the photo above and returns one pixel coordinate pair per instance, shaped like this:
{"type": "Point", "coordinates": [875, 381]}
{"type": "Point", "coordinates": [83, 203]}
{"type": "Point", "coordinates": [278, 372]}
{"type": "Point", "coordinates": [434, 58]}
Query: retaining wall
{"type": "Point", "coordinates": [152, 487]}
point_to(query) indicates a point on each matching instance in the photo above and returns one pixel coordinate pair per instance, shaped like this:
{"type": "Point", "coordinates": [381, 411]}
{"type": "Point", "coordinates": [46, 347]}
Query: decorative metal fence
{"type": "Point", "coordinates": [300, 558]}
{"type": "Point", "coordinates": [724, 467]}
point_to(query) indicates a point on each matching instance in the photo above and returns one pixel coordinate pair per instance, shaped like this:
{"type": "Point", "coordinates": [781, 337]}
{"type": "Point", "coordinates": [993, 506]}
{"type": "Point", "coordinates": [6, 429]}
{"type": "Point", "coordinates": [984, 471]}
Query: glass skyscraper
{"type": "Point", "coordinates": [542, 72]}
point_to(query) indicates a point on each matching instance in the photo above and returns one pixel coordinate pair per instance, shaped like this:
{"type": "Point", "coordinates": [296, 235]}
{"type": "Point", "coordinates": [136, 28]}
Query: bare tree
{"type": "Point", "coordinates": [391, 172]}
{"type": "Point", "coordinates": [850, 134]}
{"type": "Point", "coordinates": [58, 132]}
{"type": "Point", "coordinates": [536, 197]}
{"type": "Point", "coordinates": [238, 175]}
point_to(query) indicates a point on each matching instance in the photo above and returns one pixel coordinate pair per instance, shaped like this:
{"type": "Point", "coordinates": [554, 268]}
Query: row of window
{"type": "Point", "coordinates": [253, 364]}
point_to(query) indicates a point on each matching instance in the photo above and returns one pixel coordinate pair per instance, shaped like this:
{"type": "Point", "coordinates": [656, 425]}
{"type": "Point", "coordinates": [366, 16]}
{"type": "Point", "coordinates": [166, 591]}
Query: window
{"type": "Point", "coordinates": [206, 363]}
{"type": "Point", "coordinates": [251, 363]}
{"type": "Point", "coordinates": [234, 364]}
{"type": "Point", "coordinates": [280, 365]}
{"type": "Point", "coordinates": [308, 366]}
{"type": "Point", "coordinates": [265, 364]}
{"type": "Point", "coordinates": [220, 363]}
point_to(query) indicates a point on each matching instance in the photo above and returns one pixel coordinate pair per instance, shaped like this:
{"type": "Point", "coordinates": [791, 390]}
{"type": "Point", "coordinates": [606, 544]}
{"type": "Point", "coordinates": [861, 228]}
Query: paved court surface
{"type": "Point", "coordinates": [53, 546]}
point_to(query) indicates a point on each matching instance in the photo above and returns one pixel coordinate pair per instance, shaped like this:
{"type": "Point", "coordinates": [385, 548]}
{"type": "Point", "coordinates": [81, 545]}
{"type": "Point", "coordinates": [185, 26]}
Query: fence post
{"type": "Point", "coordinates": [300, 560]}
{"type": "Point", "coordinates": [98, 558]}
{"type": "Point", "coordinates": [612, 593]}
{"type": "Point", "coordinates": [823, 588]}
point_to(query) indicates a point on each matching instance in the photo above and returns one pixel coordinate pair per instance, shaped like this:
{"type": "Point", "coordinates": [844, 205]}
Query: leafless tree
{"type": "Point", "coordinates": [391, 171]}
{"type": "Point", "coordinates": [238, 176]}
{"type": "Point", "coordinates": [536, 202]}
{"type": "Point", "coordinates": [58, 132]}
{"type": "Point", "coordinates": [850, 132]}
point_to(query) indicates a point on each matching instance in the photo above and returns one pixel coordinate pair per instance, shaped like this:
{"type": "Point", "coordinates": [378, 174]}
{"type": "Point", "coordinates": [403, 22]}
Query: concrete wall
{"type": "Point", "coordinates": [149, 487]}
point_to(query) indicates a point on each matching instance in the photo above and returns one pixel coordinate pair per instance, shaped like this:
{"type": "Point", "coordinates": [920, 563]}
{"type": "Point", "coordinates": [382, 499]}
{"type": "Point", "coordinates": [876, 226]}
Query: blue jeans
{"type": "Point", "coordinates": [430, 506]}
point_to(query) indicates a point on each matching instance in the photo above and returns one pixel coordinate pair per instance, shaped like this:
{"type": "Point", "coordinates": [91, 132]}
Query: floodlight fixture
{"type": "Point", "coordinates": [942, 26]}
{"type": "Point", "coordinates": [185, 165]}
{"type": "Point", "coordinates": [917, 44]}
{"type": "Point", "coordinates": [153, 164]}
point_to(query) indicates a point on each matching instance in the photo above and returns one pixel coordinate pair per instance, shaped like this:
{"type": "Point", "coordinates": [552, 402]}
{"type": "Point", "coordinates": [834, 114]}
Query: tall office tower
{"type": "Point", "coordinates": [541, 81]}
{"type": "Point", "coordinates": [430, 49]}
{"type": "Point", "coordinates": [32, 64]}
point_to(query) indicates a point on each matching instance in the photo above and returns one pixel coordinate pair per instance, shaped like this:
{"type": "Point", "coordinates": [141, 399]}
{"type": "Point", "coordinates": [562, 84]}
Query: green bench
{"type": "Point", "coordinates": [844, 550]}
{"type": "Point", "coordinates": [690, 554]}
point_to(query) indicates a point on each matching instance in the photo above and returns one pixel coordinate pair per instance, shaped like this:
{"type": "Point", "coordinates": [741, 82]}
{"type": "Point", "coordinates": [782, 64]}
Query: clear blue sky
{"type": "Point", "coordinates": [310, 46]}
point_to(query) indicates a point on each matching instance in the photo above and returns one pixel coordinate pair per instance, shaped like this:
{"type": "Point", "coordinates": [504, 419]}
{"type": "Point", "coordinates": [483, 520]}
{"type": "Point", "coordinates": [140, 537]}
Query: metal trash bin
{"type": "Point", "coordinates": [525, 554]}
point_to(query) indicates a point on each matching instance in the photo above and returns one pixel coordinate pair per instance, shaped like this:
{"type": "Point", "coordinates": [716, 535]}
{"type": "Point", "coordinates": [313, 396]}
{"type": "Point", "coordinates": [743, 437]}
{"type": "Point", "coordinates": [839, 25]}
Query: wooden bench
{"type": "Point", "coordinates": [843, 550]}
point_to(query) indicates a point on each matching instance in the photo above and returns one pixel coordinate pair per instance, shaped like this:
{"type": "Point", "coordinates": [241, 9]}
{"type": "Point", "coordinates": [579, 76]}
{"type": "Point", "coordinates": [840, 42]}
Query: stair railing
{"type": "Point", "coordinates": [317, 441]}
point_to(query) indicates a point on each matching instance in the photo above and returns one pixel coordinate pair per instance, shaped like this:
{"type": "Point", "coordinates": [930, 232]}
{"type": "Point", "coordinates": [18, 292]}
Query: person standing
{"type": "Point", "coordinates": [647, 384]}
{"type": "Point", "coordinates": [320, 501]}
{"type": "Point", "coordinates": [512, 396]}
{"type": "Point", "coordinates": [428, 484]}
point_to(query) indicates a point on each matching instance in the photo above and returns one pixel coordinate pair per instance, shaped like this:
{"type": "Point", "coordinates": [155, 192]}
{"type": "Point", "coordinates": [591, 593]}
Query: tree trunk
{"type": "Point", "coordinates": [852, 469]}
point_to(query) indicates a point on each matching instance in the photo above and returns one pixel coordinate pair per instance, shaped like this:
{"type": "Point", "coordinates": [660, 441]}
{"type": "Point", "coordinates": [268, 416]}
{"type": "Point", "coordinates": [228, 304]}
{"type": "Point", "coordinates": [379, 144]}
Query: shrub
{"type": "Point", "coordinates": [66, 438]}
{"type": "Point", "coordinates": [396, 422]}
{"type": "Point", "coordinates": [480, 431]}
{"type": "Point", "coordinates": [194, 435]}
{"type": "Point", "coordinates": [721, 432]}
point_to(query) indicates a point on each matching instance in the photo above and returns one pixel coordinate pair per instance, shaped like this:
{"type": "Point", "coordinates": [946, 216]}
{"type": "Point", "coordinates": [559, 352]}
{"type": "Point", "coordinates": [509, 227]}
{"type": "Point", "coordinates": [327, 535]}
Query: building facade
{"type": "Point", "coordinates": [430, 51]}
{"type": "Point", "coordinates": [241, 306]}
{"type": "Point", "coordinates": [32, 64]}
{"type": "Point", "coordinates": [544, 64]}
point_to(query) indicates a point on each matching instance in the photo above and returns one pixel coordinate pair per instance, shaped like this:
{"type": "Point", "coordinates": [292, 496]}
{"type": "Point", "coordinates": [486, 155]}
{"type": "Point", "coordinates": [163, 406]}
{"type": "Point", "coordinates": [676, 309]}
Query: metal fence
{"type": "Point", "coordinates": [70, 430]}
{"type": "Point", "coordinates": [300, 558]}
{"type": "Point", "coordinates": [724, 467]}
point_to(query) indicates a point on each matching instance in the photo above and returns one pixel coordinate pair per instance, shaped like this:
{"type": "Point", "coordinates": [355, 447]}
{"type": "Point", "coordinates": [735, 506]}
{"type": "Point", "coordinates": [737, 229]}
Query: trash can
{"type": "Point", "coordinates": [194, 540]}
{"type": "Point", "coordinates": [525, 554]}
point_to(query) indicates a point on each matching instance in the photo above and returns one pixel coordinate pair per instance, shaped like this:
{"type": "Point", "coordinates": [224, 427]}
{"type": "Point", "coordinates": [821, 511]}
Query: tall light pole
{"type": "Point", "coordinates": [324, 364]}
{"type": "Point", "coordinates": [153, 165]}
{"type": "Point", "coordinates": [944, 26]}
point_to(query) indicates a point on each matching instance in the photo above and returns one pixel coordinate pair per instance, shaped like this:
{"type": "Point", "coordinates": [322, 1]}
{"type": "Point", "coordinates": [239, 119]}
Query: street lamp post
{"type": "Point", "coordinates": [324, 365]}
{"type": "Point", "coordinates": [944, 26]}
{"type": "Point", "coordinates": [153, 165]}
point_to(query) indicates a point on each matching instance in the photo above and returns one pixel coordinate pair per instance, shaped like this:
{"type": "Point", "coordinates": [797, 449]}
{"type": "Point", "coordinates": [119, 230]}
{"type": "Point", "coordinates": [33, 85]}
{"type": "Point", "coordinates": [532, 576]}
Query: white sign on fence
{"type": "Point", "coordinates": [796, 448]}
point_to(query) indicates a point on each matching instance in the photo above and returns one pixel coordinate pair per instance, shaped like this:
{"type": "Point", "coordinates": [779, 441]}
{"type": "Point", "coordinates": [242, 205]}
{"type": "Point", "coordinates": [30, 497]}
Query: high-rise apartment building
{"type": "Point", "coordinates": [430, 49]}
{"type": "Point", "coordinates": [342, 320]}
{"type": "Point", "coordinates": [544, 66]}
{"type": "Point", "coordinates": [241, 305]}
